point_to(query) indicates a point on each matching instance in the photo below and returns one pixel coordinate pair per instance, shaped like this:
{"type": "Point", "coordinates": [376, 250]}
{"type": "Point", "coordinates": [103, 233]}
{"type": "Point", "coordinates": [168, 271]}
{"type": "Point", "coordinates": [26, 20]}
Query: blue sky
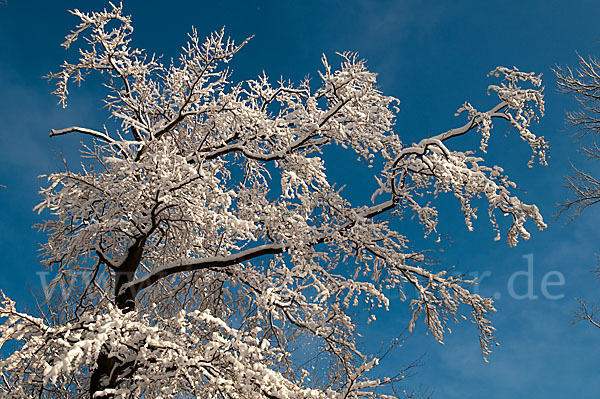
{"type": "Point", "coordinates": [433, 56]}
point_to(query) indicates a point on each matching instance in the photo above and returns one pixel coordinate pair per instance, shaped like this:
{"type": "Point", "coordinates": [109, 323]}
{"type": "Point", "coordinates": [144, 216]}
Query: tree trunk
{"type": "Point", "coordinates": [109, 372]}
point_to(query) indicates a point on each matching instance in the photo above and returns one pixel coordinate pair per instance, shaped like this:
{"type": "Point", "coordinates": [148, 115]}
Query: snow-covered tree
{"type": "Point", "coordinates": [213, 242]}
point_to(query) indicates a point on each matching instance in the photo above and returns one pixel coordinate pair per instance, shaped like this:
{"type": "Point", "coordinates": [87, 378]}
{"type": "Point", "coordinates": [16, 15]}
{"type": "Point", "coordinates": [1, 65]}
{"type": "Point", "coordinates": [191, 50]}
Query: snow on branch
{"type": "Point", "coordinates": [217, 241]}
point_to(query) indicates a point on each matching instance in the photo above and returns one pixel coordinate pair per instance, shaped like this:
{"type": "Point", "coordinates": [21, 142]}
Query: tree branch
{"type": "Point", "coordinates": [83, 130]}
{"type": "Point", "coordinates": [89, 132]}
{"type": "Point", "coordinates": [494, 112]}
{"type": "Point", "coordinates": [187, 265]}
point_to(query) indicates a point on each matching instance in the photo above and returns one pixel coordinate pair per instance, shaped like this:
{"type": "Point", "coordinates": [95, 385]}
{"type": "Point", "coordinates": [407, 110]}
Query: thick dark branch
{"type": "Point", "coordinates": [195, 264]}
{"type": "Point", "coordinates": [378, 209]}
{"type": "Point", "coordinates": [132, 288]}
{"type": "Point", "coordinates": [423, 146]}
{"type": "Point", "coordinates": [125, 273]}
{"type": "Point", "coordinates": [334, 110]}
{"type": "Point", "coordinates": [494, 112]}
{"type": "Point", "coordinates": [302, 142]}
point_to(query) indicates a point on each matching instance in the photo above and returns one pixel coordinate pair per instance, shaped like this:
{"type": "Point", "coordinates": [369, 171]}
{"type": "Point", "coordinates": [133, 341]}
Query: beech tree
{"type": "Point", "coordinates": [213, 243]}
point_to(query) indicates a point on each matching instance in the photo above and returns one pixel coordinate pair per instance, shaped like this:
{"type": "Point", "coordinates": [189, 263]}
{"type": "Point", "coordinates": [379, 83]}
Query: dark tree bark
{"type": "Point", "coordinates": [109, 371]}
